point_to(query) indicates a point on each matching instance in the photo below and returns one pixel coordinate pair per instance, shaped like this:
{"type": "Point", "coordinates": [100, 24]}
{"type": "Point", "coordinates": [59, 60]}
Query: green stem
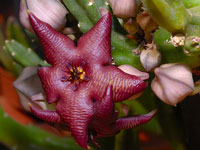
{"type": "Point", "coordinates": [15, 32]}
{"type": "Point", "coordinates": [128, 139]}
{"type": "Point", "coordinates": [191, 3]}
{"type": "Point", "coordinates": [193, 24]}
{"type": "Point", "coordinates": [167, 13]}
{"type": "Point", "coordinates": [24, 56]}
{"type": "Point", "coordinates": [31, 138]}
{"type": "Point", "coordinates": [106, 143]}
{"type": "Point", "coordinates": [8, 62]}
{"type": "Point", "coordinates": [171, 54]}
{"type": "Point", "coordinates": [172, 126]}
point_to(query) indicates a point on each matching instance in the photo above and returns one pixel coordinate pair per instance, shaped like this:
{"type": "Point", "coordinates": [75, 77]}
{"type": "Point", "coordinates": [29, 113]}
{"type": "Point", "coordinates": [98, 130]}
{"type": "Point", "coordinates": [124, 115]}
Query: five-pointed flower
{"type": "Point", "coordinates": [83, 83]}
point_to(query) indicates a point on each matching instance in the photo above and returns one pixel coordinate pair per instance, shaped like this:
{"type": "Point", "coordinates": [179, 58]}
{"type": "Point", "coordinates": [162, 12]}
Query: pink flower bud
{"type": "Point", "coordinates": [124, 8]}
{"type": "Point", "coordinates": [173, 82]}
{"type": "Point", "coordinates": [50, 11]}
{"type": "Point", "coordinates": [133, 71]}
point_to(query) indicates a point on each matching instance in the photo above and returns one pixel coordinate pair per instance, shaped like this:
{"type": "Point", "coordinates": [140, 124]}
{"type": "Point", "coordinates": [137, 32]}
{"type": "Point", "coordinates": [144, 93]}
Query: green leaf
{"type": "Point", "coordinates": [191, 3]}
{"type": "Point", "coordinates": [24, 56]}
{"type": "Point", "coordinates": [31, 138]}
{"type": "Point", "coordinates": [14, 31]}
{"type": "Point", "coordinates": [8, 62]}
{"type": "Point", "coordinates": [170, 14]}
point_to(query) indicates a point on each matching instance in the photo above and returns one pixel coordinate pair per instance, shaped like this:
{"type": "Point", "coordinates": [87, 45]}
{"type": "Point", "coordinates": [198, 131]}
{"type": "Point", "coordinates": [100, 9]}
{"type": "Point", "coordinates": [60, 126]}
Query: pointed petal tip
{"type": "Point", "coordinates": [133, 121]}
{"type": "Point", "coordinates": [107, 16]}
{"type": "Point", "coordinates": [83, 144]}
{"type": "Point", "coordinates": [32, 18]}
{"type": "Point", "coordinates": [28, 11]}
{"type": "Point", "coordinates": [152, 113]}
{"type": "Point", "coordinates": [30, 14]}
{"type": "Point", "coordinates": [46, 115]}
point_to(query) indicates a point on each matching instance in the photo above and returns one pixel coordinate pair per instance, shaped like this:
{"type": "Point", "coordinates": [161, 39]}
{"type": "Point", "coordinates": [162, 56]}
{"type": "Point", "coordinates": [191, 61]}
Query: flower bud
{"type": "Point", "coordinates": [147, 24]}
{"type": "Point", "coordinates": [30, 91]}
{"type": "Point", "coordinates": [50, 11]}
{"type": "Point", "coordinates": [133, 71]}
{"type": "Point", "coordinates": [131, 26]}
{"type": "Point", "coordinates": [192, 46]}
{"type": "Point", "coordinates": [150, 57]}
{"type": "Point", "coordinates": [124, 8]}
{"type": "Point", "coordinates": [177, 40]}
{"type": "Point", "coordinates": [173, 82]}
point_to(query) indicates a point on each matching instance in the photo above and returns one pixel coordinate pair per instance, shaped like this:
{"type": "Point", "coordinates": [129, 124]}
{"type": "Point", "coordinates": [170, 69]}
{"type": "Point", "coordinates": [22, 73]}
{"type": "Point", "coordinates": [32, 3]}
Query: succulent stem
{"type": "Point", "coordinates": [169, 14]}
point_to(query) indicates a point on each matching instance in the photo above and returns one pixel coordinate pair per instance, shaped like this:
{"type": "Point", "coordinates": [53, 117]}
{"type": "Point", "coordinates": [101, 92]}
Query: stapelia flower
{"type": "Point", "coordinates": [84, 84]}
{"type": "Point", "coordinates": [173, 82]}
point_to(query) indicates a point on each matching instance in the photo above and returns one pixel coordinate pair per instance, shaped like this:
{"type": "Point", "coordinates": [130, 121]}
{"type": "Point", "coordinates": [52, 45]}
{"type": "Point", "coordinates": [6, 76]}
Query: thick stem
{"type": "Point", "coordinates": [29, 137]}
{"type": "Point", "coordinates": [128, 139]}
{"type": "Point", "coordinates": [169, 14]}
{"type": "Point", "coordinates": [172, 125]}
{"type": "Point", "coordinates": [192, 46]}
{"type": "Point", "coordinates": [171, 54]}
{"type": "Point", "coordinates": [191, 3]}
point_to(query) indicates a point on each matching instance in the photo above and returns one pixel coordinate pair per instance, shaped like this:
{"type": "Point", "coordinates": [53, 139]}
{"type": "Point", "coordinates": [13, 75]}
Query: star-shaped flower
{"type": "Point", "coordinates": [83, 83]}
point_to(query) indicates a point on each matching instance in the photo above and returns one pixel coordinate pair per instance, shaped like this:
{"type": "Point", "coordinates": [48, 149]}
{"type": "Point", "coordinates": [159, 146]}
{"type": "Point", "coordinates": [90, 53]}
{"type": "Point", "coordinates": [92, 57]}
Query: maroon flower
{"type": "Point", "coordinates": [84, 84]}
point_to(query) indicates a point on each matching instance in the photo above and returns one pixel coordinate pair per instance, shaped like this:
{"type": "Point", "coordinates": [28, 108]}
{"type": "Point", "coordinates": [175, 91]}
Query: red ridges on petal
{"type": "Point", "coordinates": [49, 79]}
{"type": "Point", "coordinates": [124, 85]}
{"type": "Point", "coordinates": [55, 44]}
{"type": "Point", "coordinates": [77, 112]}
{"type": "Point", "coordinates": [81, 135]}
{"type": "Point", "coordinates": [130, 122]}
{"type": "Point", "coordinates": [105, 107]}
{"type": "Point", "coordinates": [96, 42]}
{"type": "Point", "coordinates": [46, 115]}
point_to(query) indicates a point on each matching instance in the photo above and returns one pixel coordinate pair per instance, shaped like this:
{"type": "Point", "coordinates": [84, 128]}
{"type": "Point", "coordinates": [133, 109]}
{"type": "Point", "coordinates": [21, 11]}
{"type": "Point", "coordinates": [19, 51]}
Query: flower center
{"type": "Point", "coordinates": [75, 74]}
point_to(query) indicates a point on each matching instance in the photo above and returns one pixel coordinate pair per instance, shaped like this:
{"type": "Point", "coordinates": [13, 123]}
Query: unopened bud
{"type": "Point", "coordinates": [172, 83]}
{"type": "Point", "coordinates": [50, 11]}
{"type": "Point", "coordinates": [192, 46]}
{"type": "Point", "coordinates": [131, 26]}
{"type": "Point", "coordinates": [150, 57]}
{"type": "Point", "coordinates": [133, 71]}
{"type": "Point", "coordinates": [124, 8]}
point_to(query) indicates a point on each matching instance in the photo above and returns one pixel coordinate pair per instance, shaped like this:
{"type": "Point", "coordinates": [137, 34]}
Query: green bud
{"type": "Point", "coordinates": [192, 46]}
